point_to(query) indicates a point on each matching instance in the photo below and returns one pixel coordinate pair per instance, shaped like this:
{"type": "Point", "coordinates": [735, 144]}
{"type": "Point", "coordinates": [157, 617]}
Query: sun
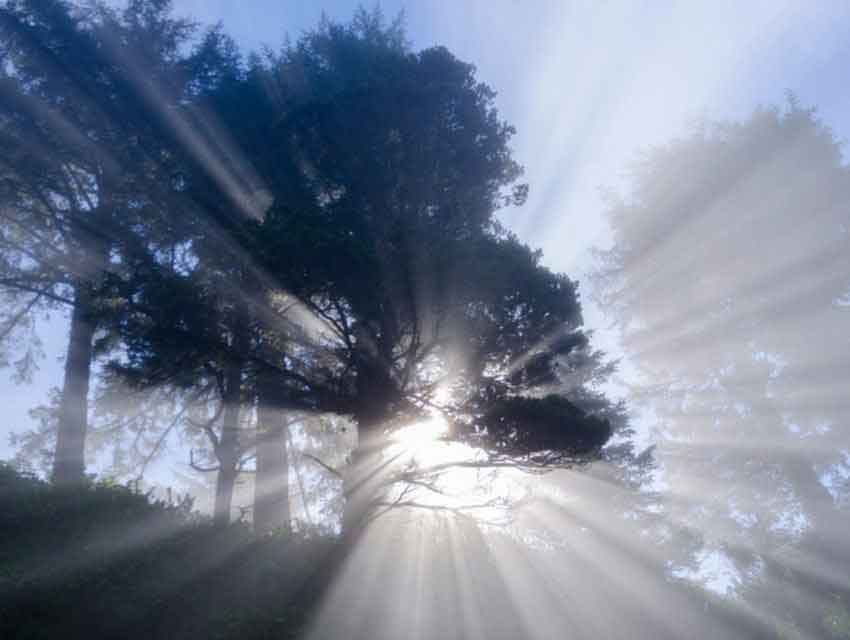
{"type": "Point", "coordinates": [428, 435]}
{"type": "Point", "coordinates": [422, 434]}
{"type": "Point", "coordinates": [440, 473]}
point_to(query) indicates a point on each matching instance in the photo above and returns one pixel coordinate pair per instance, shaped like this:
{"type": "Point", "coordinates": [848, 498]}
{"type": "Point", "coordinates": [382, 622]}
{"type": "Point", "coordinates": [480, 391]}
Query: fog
{"type": "Point", "coordinates": [568, 359]}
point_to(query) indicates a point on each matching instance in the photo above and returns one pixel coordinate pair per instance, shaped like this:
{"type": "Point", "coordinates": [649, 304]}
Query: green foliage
{"type": "Point", "coordinates": [101, 561]}
{"type": "Point", "coordinates": [309, 230]}
{"type": "Point", "coordinates": [559, 426]}
{"type": "Point", "coordinates": [382, 170]}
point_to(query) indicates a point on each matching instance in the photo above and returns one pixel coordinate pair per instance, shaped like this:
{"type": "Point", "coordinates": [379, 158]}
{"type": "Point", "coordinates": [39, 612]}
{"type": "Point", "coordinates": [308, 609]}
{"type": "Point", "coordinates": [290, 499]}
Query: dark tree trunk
{"type": "Point", "coordinates": [271, 486]}
{"type": "Point", "coordinates": [365, 491]}
{"type": "Point", "coordinates": [361, 483]}
{"type": "Point", "coordinates": [69, 459]}
{"type": "Point", "coordinates": [89, 261]}
{"type": "Point", "coordinates": [228, 446]}
{"type": "Point", "coordinates": [355, 510]}
{"type": "Point", "coordinates": [224, 486]}
{"type": "Point", "coordinates": [365, 478]}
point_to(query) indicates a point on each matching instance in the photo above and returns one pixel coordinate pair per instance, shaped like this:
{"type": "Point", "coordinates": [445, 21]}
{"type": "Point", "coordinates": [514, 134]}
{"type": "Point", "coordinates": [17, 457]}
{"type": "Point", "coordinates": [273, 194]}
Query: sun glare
{"type": "Point", "coordinates": [441, 474]}
{"type": "Point", "coordinates": [421, 435]}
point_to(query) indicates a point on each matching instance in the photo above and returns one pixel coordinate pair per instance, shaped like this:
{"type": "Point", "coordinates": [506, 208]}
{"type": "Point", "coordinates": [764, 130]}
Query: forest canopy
{"type": "Point", "coordinates": [312, 231]}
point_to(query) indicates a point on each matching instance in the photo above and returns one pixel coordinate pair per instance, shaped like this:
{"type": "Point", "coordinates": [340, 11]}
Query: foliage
{"type": "Point", "coordinates": [377, 277]}
{"type": "Point", "coordinates": [551, 415]}
{"type": "Point", "coordinates": [89, 174]}
{"type": "Point", "coordinates": [308, 230]}
{"type": "Point", "coordinates": [102, 561]}
{"type": "Point", "coordinates": [729, 264]}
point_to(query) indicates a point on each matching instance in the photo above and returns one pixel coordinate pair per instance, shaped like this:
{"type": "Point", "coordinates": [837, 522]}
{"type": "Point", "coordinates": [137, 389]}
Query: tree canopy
{"type": "Point", "coordinates": [726, 280]}
{"type": "Point", "coordinates": [377, 282]}
{"type": "Point", "coordinates": [255, 240]}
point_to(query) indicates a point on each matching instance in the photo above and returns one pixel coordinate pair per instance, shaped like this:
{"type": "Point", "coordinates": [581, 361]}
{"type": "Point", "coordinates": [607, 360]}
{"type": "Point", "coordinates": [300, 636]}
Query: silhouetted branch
{"type": "Point", "coordinates": [462, 511]}
{"type": "Point", "coordinates": [159, 443]}
{"type": "Point", "coordinates": [322, 464]}
{"type": "Point", "coordinates": [198, 467]}
{"type": "Point", "coordinates": [13, 322]}
{"type": "Point", "coordinates": [206, 426]}
{"type": "Point", "coordinates": [240, 466]}
{"type": "Point", "coordinates": [15, 284]}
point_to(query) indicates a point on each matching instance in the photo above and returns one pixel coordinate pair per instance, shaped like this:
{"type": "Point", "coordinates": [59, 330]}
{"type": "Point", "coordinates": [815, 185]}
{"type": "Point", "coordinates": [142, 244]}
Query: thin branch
{"type": "Point", "coordinates": [322, 464]}
{"type": "Point", "coordinates": [18, 316]}
{"type": "Point", "coordinates": [206, 425]}
{"type": "Point", "coordinates": [240, 466]}
{"type": "Point", "coordinates": [198, 467]}
{"type": "Point", "coordinates": [152, 453]}
{"type": "Point", "coordinates": [14, 284]}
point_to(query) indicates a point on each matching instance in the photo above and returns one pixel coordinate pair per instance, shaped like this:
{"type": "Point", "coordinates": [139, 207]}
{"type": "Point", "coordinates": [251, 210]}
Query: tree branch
{"type": "Point", "coordinates": [18, 316]}
{"type": "Point", "coordinates": [322, 464]}
{"type": "Point", "coordinates": [198, 467]}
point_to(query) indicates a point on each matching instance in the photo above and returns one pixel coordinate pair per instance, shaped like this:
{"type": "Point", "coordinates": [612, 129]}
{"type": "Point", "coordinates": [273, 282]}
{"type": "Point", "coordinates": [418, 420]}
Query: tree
{"type": "Point", "coordinates": [425, 302]}
{"type": "Point", "coordinates": [377, 283]}
{"type": "Point", "coordinates": [726, 280]}
{"type": "Point", "coordinates": [87, 169]}
{"type": "Point", "coordinates": [211, 321]}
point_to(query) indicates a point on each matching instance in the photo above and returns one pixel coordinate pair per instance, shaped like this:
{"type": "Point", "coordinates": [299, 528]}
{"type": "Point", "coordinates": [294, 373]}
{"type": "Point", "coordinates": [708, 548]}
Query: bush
{"type": "Point", "coordinates": [101, 561]}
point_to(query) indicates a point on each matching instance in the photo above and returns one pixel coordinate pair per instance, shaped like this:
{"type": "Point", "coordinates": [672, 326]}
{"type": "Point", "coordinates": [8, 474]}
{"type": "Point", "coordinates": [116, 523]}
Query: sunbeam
{"type": "Point", "coordinates": [479, 321]}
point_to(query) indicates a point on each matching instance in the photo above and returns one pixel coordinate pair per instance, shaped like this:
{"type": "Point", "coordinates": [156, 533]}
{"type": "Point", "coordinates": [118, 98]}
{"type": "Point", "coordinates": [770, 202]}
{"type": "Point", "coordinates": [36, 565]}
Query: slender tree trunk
{"type": "Point", "coordinates": [271, 486]}
{"type": "Point", "coordinates": [355, 511]}
{"type": "Point", "coordinates": [271, 491]}
{"type": "Point", "coordinates": [228, 446]}
{"type": "Point", "coordinates": [365, 479]}
{"type": "Point", "coordinates": [365, 490]}
{"type": "Point", "coordinates": [90, 259]}
{"type": "Point", "coordinates": [69, 458]}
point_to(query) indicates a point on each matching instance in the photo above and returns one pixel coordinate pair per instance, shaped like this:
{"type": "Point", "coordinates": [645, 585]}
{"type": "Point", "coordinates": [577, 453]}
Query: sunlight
{"type": "Point", "coordinates": [437, 475]}
{"type": "Point", "coordinates": [420, 437]}
{"type": "Point", "coordinates": [294, 281]}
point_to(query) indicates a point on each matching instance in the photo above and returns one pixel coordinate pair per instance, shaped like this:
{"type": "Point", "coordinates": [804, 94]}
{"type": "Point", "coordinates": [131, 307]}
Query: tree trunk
{"type": "Point", "coordinates": [69, 459]}
{"type": "Point", "coordinates": [271, 485]}
{"type": "Point", "coordinates": [228, 446]}
{"type": "Point", "coordinates": [225, 483]}
{"type": "Point", "coordinates": [365, 479]}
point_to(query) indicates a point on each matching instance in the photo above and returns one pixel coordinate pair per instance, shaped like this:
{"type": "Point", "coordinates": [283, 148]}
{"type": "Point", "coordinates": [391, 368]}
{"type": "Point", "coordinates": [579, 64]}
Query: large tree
{"type": "Point", "coordinates": [421, 296]}
{"type": "Point", "coordinates": [727, 277]}
{"type": "Point", "coordinates": [378, 283]}
{"type": "Point", "coordinates": [211, 323]}
{"type": "Point", "coordinates": [88, 168]}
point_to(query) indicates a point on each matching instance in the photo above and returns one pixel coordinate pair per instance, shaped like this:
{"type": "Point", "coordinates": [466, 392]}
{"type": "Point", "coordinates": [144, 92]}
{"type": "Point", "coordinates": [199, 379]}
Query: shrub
{"type": "Point", "coordinates": [102, 561]}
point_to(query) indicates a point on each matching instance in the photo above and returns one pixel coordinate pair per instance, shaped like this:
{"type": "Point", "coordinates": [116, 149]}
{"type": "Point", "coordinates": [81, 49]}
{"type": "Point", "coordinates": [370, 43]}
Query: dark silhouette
{"type": "Point", "coordinates": [86, 171]}
{"type": "Point", "coordinates": [377, 283]}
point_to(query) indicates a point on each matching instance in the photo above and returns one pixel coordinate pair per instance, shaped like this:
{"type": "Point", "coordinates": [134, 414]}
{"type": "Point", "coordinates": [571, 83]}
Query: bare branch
{"type": "Point", "coordinates": [206, 425]}
{"type": "Point", "coordinates": [152, 453]}
{"type": "Point", "coordinates": [198, 467]}
{"type": "Point", "coordinates": [15, 284]}
{"type": "Point", "coordinates": [322, 464]}
{"type": "Point", "coordinates": [13, 322]}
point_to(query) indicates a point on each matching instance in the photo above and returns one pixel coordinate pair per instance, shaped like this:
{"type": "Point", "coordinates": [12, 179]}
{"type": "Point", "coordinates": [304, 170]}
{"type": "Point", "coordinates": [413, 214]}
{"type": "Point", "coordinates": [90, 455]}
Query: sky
{"type": "Point", "coordinates": [587, 86]}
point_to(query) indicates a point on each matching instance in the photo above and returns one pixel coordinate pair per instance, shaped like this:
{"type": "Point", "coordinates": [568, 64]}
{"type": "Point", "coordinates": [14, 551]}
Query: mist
{"type": "Point", "coordinates": [472, 321]}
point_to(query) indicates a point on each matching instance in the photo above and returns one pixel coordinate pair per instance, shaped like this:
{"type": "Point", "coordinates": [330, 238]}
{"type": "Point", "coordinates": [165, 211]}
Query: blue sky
{"type": "Point", "coordinates": [587, 85]}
